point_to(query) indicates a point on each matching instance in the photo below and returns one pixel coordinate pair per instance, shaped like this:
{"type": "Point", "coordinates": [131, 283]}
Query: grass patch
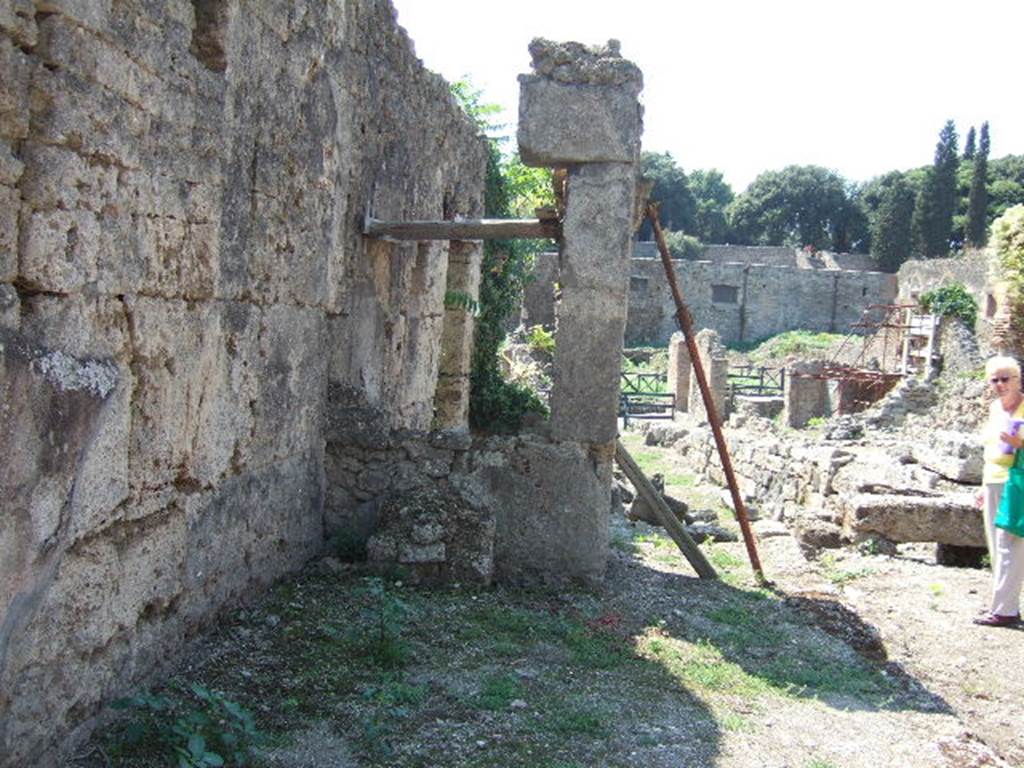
{"type": "Point", "coordinates": [840, 576]}
{"type": "Point", "coordinates": [498, 692]}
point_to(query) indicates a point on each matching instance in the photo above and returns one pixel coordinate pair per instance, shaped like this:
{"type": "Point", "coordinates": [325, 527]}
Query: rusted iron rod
{"type": "Point", "coordinates": [464, 229]}
{"type": "Point", "coordinates": [686, 326]}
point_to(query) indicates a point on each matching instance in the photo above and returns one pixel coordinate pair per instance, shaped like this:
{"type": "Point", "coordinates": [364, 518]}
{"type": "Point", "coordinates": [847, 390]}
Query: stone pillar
{"type": "Point", "coordinates": [451, 398]}
{"type": "Point", "coordinates": [716, 370]}
{"type": "Point", "coordinates": [579, 110]}
{"type": "Point", "coordinates": [805, 393]}
{"type": "Point", "coordinates": [679, 369]}
{"type": "Point", "coordinates": [539, 293]}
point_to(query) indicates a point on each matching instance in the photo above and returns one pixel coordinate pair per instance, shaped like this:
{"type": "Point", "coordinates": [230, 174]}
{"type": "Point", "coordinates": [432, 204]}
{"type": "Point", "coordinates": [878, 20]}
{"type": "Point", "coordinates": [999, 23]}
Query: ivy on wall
{"type": "Point", "coordinates": [511, 190]}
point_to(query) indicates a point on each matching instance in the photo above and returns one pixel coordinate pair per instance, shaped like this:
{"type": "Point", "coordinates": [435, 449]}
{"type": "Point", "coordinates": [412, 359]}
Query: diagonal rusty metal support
{"type": "Point", "coordinates": [686, 326]}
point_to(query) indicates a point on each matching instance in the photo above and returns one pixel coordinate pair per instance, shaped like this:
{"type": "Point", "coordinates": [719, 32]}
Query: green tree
{"type": "Point", "coordinates": [932, 224]}
{"type": "Point", "coordinates": [977, 199]}
{"type": "Point", "coordinates": [713, 195]}
{"type": "Point", "coordinates": [497, 405]}
{"type": "Point", "coordinates": [1006, 185]}
{"type": "Point", "coordinates": [677, 207]}
{"type": "Point", "coordinates": [890, 202]}
{"type": "Point", "coordinates": [801, 205]}
{"type": "Point", "coordinates": [970, 144]}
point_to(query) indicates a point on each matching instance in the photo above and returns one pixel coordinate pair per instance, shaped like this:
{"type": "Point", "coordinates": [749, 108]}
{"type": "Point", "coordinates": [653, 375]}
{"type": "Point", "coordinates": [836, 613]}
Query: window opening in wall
{"type": "Point", "coordinates": [638, 285]}
{"type": "Point", "coordinates": [725, 294]}
{"type": "Point", "coordinates": [990, 306]}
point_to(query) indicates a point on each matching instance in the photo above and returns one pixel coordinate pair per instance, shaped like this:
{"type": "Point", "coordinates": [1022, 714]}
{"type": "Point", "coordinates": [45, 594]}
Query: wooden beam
{"type": "Point", "coordinates": [464, 229]}
{"type": "Point", "coordinates": [672, 525]}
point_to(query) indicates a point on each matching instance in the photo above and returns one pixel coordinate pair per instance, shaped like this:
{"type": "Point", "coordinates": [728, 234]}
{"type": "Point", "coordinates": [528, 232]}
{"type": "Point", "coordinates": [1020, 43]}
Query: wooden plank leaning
{"type": "Point", "coordinates": [674, 528]}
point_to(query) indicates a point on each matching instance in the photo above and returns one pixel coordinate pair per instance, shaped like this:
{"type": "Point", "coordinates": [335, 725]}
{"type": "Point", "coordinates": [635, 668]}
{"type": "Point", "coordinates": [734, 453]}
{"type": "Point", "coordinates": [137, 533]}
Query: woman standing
{"type": "Point", "coordinates": [1005, 550]}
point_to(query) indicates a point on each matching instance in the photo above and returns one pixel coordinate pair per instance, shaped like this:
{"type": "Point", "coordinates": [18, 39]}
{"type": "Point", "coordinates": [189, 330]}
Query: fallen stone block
{"type": "Point", "coordinates": [945, 519]}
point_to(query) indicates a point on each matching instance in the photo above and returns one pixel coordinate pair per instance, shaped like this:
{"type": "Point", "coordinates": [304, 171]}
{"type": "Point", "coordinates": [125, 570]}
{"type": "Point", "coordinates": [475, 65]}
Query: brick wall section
{"type": "Point", "coordinates": [185, 298]}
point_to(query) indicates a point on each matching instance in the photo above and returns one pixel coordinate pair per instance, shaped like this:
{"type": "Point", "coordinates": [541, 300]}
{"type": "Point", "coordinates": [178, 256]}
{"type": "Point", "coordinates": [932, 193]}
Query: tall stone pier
{"type": "Point", "coordinates": [579, 111]}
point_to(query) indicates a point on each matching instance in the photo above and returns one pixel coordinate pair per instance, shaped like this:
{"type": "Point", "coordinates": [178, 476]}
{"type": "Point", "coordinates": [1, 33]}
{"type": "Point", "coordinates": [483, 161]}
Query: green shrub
{"type": "Point", "coordinates": [683, 246]}
{"type": "Point", "coordinates": [197, 728]}
{"type": "Point", "coordinates": [952, 300]}
{"type": "Point", "coordinates": [541, 340]}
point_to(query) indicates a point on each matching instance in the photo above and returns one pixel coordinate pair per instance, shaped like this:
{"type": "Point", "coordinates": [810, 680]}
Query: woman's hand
{"type": "Point", "coordinates": [979, 498]}
{"type": "Point", "coordinates": [1015, 440]}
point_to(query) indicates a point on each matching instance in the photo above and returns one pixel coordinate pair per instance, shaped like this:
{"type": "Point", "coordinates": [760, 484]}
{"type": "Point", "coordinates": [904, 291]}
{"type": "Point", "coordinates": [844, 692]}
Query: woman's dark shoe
{"type": "Point", "coordinates": [995, 620]}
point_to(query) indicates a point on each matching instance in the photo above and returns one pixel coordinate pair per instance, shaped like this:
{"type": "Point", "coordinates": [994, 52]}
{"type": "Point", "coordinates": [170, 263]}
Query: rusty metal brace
{"type": "Point", "coordinates": [685, 321]}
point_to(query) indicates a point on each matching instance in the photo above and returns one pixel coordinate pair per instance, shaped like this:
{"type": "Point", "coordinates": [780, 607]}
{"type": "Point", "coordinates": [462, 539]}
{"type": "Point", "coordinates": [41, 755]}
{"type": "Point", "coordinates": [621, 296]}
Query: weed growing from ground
{"type": "Point", "coordinates": [839, 576]}
{"type": "Point", "coordinates": [197, 728]}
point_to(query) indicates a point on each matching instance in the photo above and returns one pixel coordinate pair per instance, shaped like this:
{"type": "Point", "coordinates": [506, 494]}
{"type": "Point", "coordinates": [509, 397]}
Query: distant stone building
{"type": "Point", "coordinates": [744, 293]}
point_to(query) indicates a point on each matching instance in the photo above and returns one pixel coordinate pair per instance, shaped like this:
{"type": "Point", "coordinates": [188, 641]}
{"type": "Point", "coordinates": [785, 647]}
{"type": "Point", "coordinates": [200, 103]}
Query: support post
{"type": "Point", "coordinates": [686, 326]}
{"type": "Point", "coordinates": [672, 526]}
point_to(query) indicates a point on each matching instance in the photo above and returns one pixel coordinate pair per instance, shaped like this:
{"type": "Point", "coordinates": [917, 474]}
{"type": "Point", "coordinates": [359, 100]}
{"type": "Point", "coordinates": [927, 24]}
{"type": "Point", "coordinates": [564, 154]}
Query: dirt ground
{"type": "Point", "coordinates": [849, 660]}
{"type": "Point", "coordinates": [914, 617]}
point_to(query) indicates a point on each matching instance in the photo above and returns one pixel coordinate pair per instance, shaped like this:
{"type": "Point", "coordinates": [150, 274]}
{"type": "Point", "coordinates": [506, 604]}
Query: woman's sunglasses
{"type": "Point", "coordinates": [1000, 379]}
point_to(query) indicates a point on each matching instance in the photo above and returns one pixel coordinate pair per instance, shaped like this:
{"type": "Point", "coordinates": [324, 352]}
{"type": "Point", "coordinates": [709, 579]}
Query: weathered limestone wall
{"type": "Point", "coordinates": [188, 310]}
{"type": "Point", "coordinates": [744, 302]}
{"type": "Point", "coordinates": [918, 276]}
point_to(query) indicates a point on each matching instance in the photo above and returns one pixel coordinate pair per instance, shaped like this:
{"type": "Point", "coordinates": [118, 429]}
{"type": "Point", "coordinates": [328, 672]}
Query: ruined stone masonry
{"type": "Point", "coordinates": [209, 371]}
{"type": "Point", "coordinates": [190, 318]}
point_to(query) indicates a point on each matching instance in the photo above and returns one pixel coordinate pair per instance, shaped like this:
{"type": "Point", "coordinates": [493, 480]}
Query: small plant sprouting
{"type": "Point", "coordinates": [541, 340]}
{"type": "Point", "coordinates": [197, 728]}
{"type": "Point", "coordinates": [386, 613]}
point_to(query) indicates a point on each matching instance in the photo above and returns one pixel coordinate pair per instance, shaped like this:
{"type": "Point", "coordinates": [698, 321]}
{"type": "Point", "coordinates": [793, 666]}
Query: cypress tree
{"type": "Point", "coordinates": [890, 224]}
{"type": "Point", "coordinates": [969, 144]}
{"type": "Point", "coordinates": [932, 224]}
{"type": "Point", "coordinates": [977, 198]}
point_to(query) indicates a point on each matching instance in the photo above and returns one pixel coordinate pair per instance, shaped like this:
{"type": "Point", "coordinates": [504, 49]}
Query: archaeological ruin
{"type": "Point", "coordinates": [210, 370]}
{"type": "Point", "coordinates": [226, 241]}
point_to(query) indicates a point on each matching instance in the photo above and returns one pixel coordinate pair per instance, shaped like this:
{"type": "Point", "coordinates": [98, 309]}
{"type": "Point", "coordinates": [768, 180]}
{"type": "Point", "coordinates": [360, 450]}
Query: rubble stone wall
{"type": "Point", "coordinates": [917, 276]}
{"type": "Point", "coordinates": [745, 302]}
{"type": "Point", "coordinates": [186, 307]}
{"type": "Point", "coordinates": [751, 301]}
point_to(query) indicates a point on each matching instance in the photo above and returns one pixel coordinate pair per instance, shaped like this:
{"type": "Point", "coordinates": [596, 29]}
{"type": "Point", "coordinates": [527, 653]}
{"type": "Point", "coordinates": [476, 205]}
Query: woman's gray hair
{"type": "Point", "coordinates": [1002, 363]}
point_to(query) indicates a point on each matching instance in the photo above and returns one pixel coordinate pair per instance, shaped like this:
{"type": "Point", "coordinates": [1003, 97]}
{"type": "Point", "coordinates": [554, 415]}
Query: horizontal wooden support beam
{"type": "Point", "coordinates": [464, 229]}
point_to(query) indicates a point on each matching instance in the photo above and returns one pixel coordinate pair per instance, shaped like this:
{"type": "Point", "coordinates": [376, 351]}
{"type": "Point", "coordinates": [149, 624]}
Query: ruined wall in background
{"type": "Point", "coordinates": [188, 309]}
{"type": "Point", "coordinates": [747, 302]}
{"type": "Point", "coordinates": [917, 276]}
{"type": "Point", "coordinates": [742, 300]}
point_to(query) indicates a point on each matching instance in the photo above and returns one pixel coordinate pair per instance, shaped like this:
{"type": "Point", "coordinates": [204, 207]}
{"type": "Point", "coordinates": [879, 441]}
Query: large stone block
{"type": "Point", "coordinates": [18, 19]}
{"type": "Point", "coordinates": [60, 250]}
{"type": "Point", "coordinates": [10, 205]}
{"type": "Point", "coordinates": [597, 231]}
{"type": "Point", "coordinates": [551, 504]}
{"type": "Point", "coordinates": [580, 107]}
{"type": "Point", "coordinates": [14, 112]}
{"type": "Point", "coordinates": [192, 405]}
{"type": "Point", "coordinates": [945, 519]}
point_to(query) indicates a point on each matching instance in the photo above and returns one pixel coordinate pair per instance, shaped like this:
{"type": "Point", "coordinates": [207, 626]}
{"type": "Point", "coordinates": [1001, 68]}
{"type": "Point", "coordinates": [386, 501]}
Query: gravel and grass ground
{"type": "Point", "coordinates": [850, 660]}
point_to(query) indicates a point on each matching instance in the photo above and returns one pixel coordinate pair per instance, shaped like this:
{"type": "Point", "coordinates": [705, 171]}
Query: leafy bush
{"type": "Point", "coordinates": [198, 728]}
{"type": "Point", "coordinates": [951, 300]}
{"type": "Point", "coordinates": [683, 246]}
{"type": "Point", "coordinates": [541, 340]}
{"type": "Point", "coordinates": [497, 405]}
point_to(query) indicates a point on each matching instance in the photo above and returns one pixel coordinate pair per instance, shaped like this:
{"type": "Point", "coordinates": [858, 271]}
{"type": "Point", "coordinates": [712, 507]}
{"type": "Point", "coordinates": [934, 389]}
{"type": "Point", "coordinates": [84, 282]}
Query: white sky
{"type": "Point", "coordinates": [747, 86]}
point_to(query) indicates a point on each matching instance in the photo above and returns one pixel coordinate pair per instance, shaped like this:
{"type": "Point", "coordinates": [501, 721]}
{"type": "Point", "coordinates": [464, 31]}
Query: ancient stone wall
{"type": "Point", "coordinates": [918, 276]}
{"type": "Point", "coordinates": [746, 302]}
{"type": "Point", "coordinates": [189, 312]}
